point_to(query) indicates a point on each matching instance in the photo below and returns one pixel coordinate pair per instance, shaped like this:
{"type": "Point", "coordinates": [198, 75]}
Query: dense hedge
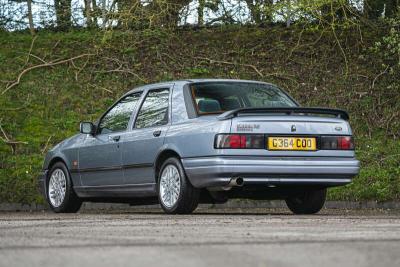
{"type": "Point", "coordinates": [343, 69]}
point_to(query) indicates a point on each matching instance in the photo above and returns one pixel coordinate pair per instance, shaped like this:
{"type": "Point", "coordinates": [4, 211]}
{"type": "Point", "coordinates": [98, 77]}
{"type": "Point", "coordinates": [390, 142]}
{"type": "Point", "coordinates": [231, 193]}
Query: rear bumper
{"type": "Point", "coordinates": [218, 171]}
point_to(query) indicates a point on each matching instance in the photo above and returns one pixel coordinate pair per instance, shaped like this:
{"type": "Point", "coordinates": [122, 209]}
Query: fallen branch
{"type": "Point", "coordinates": [281, 76]}
{"type": "Point", "coordinates": [47, 143]}
{"type": "Point", "coordinates": [30, 50]}
{"type": "Point", "coordinates": [38, 58]}
{"type": "Point", "coordinates": [173, 60]}
{"type": "Point", "coordinates": [390, 120]}
{"type": "Point", "coordinates": [79, 68]}
{"type": "Point", "coordinates": [102, 88]}
{"type": "Point", "coordinates": [231, 63]}
{"type": "Point", "coordinates": [123, 71]}
{"type": "Point", "coordinates": [377, 76]}
{"type": "Point", "coordinates": [341, 50]}
{"type": "Point", "coordinates": [390, 156]}
{"type": "Point", "coordinates": [9, 142]}
{"type": "Point", "coordinates": [49, 64]}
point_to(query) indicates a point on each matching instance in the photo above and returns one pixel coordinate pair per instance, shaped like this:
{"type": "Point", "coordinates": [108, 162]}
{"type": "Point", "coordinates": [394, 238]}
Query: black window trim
{"type": "Point", "coordinates": [169, 88]}
{"type": "Point", "coordinates": [111, 107]}
{"type": "Point", "coordinates": [190, 88]}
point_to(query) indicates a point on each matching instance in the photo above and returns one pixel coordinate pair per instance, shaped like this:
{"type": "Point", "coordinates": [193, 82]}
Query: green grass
{"type": "Point", "coordinates": [48, 103]}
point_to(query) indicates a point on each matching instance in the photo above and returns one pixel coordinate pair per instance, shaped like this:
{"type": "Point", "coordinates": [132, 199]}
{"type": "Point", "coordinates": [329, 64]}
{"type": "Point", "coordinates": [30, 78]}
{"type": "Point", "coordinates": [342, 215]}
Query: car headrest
{"type": "Point", "coordinates": [230, 104]}
{"type": "Point", "coordinates": [209, 105]}
{"type": "Point", "coordinates": [273, 104]}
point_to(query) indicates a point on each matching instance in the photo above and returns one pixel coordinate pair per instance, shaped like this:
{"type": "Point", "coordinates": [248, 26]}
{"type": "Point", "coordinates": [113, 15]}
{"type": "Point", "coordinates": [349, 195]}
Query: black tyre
{"type": "Point", "coordinates": [309, 202]}
{"type": "Point", "coordinates": [175, 193]}
{"type": "Point", "coordinates": [59, 192]}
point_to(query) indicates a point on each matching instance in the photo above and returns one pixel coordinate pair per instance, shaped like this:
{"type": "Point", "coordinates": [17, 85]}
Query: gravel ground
{"type": "Point", "coordinates": [210, 237]}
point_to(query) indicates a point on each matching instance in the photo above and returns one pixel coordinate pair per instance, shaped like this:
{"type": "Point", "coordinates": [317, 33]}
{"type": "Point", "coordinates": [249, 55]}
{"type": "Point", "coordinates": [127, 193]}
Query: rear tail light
{"type": "Point", "coordinates": [257, 141]}
{"type": "Point", "coordinates": [337, 143]}
{"type": "Point", "coordinates": [239, 141]}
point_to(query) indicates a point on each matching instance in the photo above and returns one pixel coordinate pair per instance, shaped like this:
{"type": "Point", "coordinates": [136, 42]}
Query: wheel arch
{"type": "Point", "coordinates": [161, 157]}
{"type": "Point", "coordinates": [59, 157]}
{"type": "Point", "coordinates": [54, 160]}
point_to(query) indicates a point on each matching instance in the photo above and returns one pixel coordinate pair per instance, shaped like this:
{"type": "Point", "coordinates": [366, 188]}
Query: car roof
{"type": "Point", "coordinates": [224, 80]}
{"type": "Point", "coordinates": [183, 82]}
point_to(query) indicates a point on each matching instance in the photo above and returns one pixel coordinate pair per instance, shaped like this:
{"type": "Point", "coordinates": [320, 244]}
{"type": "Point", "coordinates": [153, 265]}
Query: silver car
{"type": "Point", "coordinates": [182, 143]}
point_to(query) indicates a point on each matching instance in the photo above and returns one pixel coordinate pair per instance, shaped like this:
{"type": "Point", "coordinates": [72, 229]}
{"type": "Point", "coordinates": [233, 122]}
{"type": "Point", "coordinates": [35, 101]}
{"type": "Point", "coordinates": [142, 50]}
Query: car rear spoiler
{"type": "Point", "coordinates": [286, 110]}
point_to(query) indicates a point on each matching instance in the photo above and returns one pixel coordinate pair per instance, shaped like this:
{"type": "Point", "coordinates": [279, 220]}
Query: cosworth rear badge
{"type": "Point", "coordinates": [247, 127]}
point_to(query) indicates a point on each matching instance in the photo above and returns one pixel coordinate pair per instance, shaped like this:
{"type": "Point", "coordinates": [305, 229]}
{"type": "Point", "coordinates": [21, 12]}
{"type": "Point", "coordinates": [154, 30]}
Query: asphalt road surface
{"type": "Point", "coordinates": [251, 237]}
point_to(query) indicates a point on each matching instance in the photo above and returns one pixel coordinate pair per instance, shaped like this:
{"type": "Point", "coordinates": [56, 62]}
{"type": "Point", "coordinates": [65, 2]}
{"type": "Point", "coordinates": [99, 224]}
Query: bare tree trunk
{"type": "Point", "coordinates": [111, 12]}
{"type": "Point", "coordinates": [391, 8]}
{"type": "Point", "coordinates": [200, 12]}
{"type": "Point", "coordinates": [88, 14]}
{"type": "Point", "coordinates": [288, 13]}
{"type": "Point", "coordinates": [168, 10]}
{"type": "Point", "coordinates": [63, 13]}
{"type": "Point", "coordinates": [260, 11]}
{"type": "Point", "coordinates": [254, 11]}
{"type": "Point", "coordinates": [30, 17]}
{"type": "Point", "coordinates": [95, 11]}
{"type": "Point", "coordinates": [103, 14]}
{"type": "Point", "coordinates": [373, 9]}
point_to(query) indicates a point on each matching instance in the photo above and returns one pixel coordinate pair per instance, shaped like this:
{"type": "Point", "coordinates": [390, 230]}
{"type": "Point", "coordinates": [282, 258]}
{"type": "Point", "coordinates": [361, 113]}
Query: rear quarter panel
{"type": "Point", "coordinates": [195, 137]}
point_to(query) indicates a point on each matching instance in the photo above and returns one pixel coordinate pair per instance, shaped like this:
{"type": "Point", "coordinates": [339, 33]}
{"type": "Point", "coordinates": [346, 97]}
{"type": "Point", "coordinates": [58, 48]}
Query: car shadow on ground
{"type": "Point", "coordinates": [251, 212]}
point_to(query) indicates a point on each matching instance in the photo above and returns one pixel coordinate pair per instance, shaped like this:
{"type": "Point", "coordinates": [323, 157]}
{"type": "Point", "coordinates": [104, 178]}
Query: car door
{"type": "Point", "coordinates": [100, 157]}
{"type": "Point", "coordinates": [142, 144]}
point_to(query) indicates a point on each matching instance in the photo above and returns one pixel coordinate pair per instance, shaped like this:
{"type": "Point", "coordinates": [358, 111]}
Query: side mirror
{"type": "Point", "coordinates": [87, 128]}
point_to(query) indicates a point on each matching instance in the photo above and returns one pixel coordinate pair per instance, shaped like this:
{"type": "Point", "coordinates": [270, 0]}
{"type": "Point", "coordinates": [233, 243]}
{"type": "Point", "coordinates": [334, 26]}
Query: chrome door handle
{"type": "Point", "coordinates": [115, 138]}
{"type": "Point", "coordinates": [157, 133]}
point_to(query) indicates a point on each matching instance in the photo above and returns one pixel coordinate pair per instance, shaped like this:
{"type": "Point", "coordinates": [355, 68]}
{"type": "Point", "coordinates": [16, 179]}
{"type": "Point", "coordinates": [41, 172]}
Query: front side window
{"type": "Point", "coordinates": [117, 118]}
{"type": "Point", "coordinates": [218, 97]}
{"type": "Point", "coordinates": [154, 111]}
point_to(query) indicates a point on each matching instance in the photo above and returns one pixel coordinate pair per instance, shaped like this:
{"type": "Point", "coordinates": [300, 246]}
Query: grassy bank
{"type": "Point", "coordinates": [333, 69]}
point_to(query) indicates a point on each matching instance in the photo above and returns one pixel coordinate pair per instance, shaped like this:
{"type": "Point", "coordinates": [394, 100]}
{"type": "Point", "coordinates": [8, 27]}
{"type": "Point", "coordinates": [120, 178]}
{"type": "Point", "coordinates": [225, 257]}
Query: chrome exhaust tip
{"type": "Point", "coordinates": [237, 181]}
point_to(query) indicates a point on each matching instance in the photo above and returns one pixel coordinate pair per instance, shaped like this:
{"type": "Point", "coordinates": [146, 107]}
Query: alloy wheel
{"type": "Point", "coordinates": [57, 187]}
{"type": "Point", "coordinates": [170, 185]}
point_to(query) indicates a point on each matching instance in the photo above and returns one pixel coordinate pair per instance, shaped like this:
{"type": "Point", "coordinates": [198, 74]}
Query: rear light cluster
{"type": "Point", "coordinates": [337, 143]}
{"type": "Point", "coordinates": [239, 141]}
{"type": "Point", "coordinates": [257, 141]}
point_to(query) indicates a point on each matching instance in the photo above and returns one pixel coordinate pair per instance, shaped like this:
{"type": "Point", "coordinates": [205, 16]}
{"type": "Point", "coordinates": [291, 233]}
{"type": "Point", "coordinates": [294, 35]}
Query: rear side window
{"type": "Point", "coordinates": [117, 118]}
{"type": "Point", "coordinates": [154, 111]}
{"type": "Point", "coordinates": [218, 97]}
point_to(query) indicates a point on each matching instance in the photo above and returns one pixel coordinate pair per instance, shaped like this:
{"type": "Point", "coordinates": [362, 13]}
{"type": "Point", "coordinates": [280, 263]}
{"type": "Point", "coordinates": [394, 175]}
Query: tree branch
{"type": "Point", "coordinates": [49, 64]}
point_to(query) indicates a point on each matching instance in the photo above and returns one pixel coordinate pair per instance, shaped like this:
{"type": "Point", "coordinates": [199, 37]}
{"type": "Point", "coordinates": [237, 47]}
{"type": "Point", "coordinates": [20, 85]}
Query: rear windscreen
{"type": "Point", "coordinates": [218, 97]}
